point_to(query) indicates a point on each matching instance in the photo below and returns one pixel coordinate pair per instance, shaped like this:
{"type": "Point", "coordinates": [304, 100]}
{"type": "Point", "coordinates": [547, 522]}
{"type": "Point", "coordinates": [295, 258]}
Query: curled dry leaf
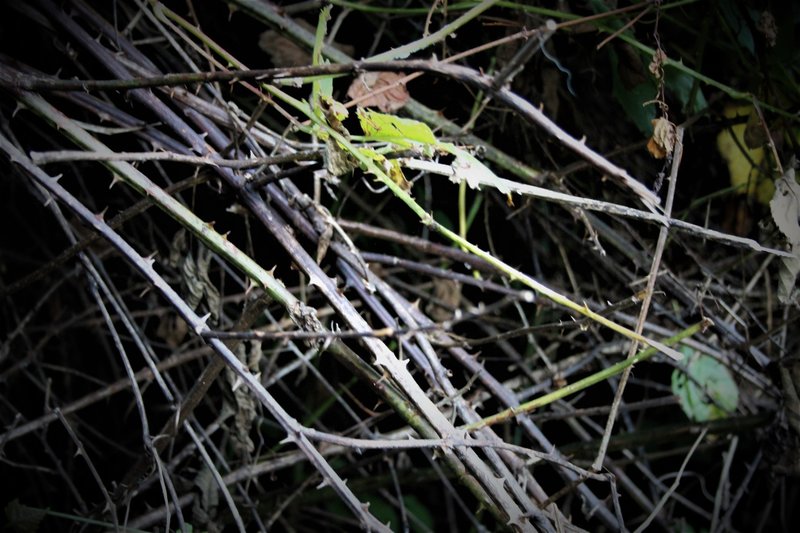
{"type": "Point", "coordinates": [662, 143]}
{"type": "Point", "coordinates": [656, 66]}
{"type": "Point", "coordinates": [785, 208]}
{"type": "Point", "coordinates": [379, 89]}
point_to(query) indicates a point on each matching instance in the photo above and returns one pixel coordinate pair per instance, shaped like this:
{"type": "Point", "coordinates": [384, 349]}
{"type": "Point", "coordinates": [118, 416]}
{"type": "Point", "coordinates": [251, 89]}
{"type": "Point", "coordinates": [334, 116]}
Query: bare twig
{"type": "Point", "coordinates": [648, 296]}
{"type": "Point", "coordinates": [45, 158]}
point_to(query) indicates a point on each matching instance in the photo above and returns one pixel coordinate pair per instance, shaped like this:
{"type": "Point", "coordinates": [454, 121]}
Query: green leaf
{"type": "Point", "coordinates": [680, 83]}
{"type": "Point", "coordinates": [633, 99]}
{"type": "Point", "coordinates": [417, 509]}
{"type": "Point", "coordinates": [706, 388]}
{"type": "Point", "coordinates": [738, 25]}
{"type": "Point", "coordinates": [401, 131]}
{"type": "Point", "coordinates": [320, 87]}
{"type": "Point", "coordinates": [319, 36]}
{"type": "Point", "coordinates": [325, 85]}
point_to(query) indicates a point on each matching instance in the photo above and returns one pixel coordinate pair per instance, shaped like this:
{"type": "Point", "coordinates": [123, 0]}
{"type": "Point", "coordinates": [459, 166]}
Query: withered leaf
{"type": "Point", "coordinates": [381, 90]}
{"type": "Point", "coordinates": [785, 208]}
{"type": "Point", "coordinates": [662, 143]}
{"type": "Point", "coordinates": [656, 66]}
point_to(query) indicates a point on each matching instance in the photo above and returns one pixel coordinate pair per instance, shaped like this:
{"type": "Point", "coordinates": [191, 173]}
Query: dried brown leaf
{"type": "Point", "coordinates": [662, 143]}
{"type": "Point", "coordinates": [379, 89]}
{"type": "Point", "coordinates": [656, 66]}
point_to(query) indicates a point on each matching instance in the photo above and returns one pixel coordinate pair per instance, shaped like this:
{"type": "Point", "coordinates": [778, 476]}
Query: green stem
{"type": "Point", "coordinates": [512, 273]}
{"type": "Point", "coordinates": [401, 52]}
{"type": "Point", "coordinates": [165, 14]}
{"type": "Point", "coordinates": [584, 383]}
{"type": "Point", "coordinates": [133, 177]}
{"type": "Point", "coordinates": [462, 209]}
{"type": "Point", "coordinates": [316, 57]}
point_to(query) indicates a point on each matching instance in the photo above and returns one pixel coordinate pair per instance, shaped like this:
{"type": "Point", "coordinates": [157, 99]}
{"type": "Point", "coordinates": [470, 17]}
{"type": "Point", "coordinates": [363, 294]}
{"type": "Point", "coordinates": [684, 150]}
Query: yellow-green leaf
{"type": "Point", "coordinates": [706, 389]}
{"type": "Point", "coordinates": [743, 162]}
{"type": "Point", "coordinates": [401, 131]}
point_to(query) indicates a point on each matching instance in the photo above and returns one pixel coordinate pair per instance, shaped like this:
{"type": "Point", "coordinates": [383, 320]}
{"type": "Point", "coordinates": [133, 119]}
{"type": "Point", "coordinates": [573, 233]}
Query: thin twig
{"type": "Point", "coordinates": [45, 158]}
{"type": "Point", "coordinates": [661, 502]}
{"type": "Point", "coordinates": [648, 296]}
{"type": "Point", "coordinates": [591, 204]}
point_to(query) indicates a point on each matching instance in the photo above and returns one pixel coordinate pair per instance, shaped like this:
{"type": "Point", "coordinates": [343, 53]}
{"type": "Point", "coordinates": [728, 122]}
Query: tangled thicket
{"type": "Point", "coordinates": [223, 308]}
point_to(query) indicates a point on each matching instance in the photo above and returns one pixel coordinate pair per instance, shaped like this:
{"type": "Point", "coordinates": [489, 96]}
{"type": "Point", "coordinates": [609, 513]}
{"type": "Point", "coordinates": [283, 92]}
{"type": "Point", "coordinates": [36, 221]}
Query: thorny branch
{"type": "Point", "coordinates": [370, 349]}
